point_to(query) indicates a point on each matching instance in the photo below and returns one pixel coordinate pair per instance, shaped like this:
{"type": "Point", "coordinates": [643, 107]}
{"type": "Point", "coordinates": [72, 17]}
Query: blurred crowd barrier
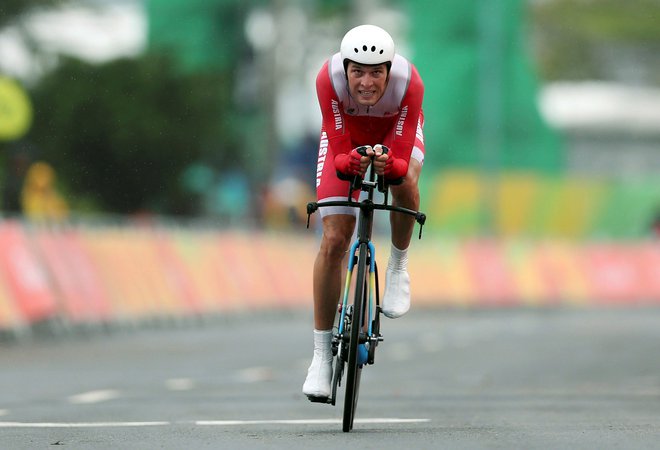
{"type": "Point", "coordinates": [98, 275]}
{"type": "Point", "coordinates": [87, 275]}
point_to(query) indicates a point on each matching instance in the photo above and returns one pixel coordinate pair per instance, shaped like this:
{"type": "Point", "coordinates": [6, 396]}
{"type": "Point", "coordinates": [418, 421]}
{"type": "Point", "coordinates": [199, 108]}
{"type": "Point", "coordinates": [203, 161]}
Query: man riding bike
{"type": "Point", "coordinates": [369, 97]}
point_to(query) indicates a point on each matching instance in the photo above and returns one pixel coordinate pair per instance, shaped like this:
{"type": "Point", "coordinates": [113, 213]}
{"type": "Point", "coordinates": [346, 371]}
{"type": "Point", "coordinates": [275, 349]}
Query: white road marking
{"type": "Point", "coordinates": [305, 421]}
{"type": "Point", "coordinates": [93, 397]}
{"type": "Point", "coordinates": [179, 384]}
{"type": "Point", "coordinates": [203, 423]}
{"type": "Point", "coordinates": [255, 375]}
{"type": "Point", "coordinates": [79, 424]}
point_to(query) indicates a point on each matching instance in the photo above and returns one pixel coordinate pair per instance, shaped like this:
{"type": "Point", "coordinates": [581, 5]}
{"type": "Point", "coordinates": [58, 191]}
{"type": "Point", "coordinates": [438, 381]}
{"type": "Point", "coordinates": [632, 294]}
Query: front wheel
{"type": "Point", "coordinates": [357, 322]}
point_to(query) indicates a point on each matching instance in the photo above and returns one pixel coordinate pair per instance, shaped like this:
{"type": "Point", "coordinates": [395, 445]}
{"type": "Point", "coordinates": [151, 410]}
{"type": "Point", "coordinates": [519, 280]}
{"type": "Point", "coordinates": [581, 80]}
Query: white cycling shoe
{"type": "Point", "coordinates": [396, 301]}
{"type": "Point", "coordinates": [319, 376]}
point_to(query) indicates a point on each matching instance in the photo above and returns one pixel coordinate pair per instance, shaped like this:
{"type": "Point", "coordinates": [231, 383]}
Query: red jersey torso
{"type": "Point", "coordinates": [392, 121]}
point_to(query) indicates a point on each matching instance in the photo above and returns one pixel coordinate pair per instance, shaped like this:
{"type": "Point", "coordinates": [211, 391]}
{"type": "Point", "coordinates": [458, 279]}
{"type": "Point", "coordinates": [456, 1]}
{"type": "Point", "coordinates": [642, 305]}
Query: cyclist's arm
{"type": "Point", "coordinates": [339, 139]}
{"type": "Point", "coordinates": [405, 128]}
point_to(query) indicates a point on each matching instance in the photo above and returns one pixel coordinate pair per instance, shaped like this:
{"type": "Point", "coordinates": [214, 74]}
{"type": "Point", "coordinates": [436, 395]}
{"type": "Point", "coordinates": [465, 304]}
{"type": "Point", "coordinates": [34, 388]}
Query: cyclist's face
{"type": "Point", "coordinates": [366, 83]}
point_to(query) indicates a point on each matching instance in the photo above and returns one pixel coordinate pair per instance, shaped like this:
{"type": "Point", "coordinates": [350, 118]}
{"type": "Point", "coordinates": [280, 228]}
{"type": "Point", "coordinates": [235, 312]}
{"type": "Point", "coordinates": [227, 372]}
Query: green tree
{"type": "Point", "coordinates": [573, 37]}
{"type": "Point", "coordinates": [121, 134]}
{"type": "Point", "coordinates": [13, 9]}
{"type": "Point", "coordinates": [12, 164]}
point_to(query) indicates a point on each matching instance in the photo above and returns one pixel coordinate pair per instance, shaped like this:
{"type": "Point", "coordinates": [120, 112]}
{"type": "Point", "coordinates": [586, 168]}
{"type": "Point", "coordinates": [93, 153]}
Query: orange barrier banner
{"type": "Point", "coordinates": [178, 274]}
{"type": "Point", "coordinates": [24, 275]}
{"type": "Point", "coordinates": [620, 274]}
{"type": "Point", "coordinates": [490, 272]}
{"type": "Point", "coordinates": [131, 272]}
{"type": "Point", "coordinates": [559, 268]}
{"type": "Point", "coordinates": [74, 276]}
{"type": "Point", "coordinates": [101, 274]}
{"type": "Point", "coordinates": [239, 271]}
{"type": "Point", "coordinates": [649, 257]}
{"type": "Point", "coordinates": [197, 253]}
{"type": "Point", "coordinates": [540, 273]}
{"type": "Point", "coordinates": [268, 270]}
{"type": "Point", "coordinates": [9, 316]}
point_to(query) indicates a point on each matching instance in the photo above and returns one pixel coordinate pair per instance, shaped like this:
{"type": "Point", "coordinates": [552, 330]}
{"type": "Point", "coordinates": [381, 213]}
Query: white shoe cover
{"type": "Point", "coordinates": [396, 301]}
{"type": "Point", "coordinates": [319, 376]}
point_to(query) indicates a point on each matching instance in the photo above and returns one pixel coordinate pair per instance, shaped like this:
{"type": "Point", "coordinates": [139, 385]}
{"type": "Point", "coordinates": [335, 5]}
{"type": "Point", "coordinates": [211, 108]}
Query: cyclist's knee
{"type": "Point", "coordinates": [407, 193]}
{"type": "Point", "coordinates": [337, 232]}
{"type": "Point", "coordinates": [333, 248]}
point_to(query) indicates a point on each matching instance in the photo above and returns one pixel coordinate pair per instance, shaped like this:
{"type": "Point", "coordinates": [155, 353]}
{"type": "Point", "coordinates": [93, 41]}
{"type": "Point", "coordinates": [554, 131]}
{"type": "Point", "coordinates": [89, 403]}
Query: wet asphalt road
{"type": "Point", "coordinates": [473, 379]}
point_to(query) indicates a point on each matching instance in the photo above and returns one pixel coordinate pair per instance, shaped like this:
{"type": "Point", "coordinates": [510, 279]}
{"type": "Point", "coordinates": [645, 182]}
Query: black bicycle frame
{"type": "Point", "coordinates": [362, 251]}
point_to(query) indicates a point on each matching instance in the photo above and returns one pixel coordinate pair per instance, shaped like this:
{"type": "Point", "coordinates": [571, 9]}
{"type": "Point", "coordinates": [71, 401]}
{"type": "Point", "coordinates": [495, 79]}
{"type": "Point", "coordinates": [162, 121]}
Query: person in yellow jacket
{"type": "Point", "coordinates": [39, 198]}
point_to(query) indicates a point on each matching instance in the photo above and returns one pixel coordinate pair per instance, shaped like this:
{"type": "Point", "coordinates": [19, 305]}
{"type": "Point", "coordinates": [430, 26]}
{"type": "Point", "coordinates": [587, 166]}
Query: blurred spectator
{"type": "Point", "coordinates": [40, 200]}
{"type": "Point", "coordinates": [17, 166]}
{"type": "Point", "coordinates": [229, 197]}
{"type": "Point", "coordinates": [655, 226]}
{"type": "Point", "coordinates": [284, 204]}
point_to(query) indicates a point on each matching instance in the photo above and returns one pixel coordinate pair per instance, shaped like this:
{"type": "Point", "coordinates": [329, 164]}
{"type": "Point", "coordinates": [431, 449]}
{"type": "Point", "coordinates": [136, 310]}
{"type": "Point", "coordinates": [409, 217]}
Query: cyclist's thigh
{"type": "Point", "coordinates": [328, 186]}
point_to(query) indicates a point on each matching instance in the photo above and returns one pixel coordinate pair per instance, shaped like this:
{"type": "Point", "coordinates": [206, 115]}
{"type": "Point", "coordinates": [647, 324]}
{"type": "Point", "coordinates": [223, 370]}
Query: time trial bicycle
{"type": "Point", "coordinates": [357, 330]}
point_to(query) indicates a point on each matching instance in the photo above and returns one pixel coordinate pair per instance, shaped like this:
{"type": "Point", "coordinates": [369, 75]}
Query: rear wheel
{"type": "Point", "coordinates": [354, 368]}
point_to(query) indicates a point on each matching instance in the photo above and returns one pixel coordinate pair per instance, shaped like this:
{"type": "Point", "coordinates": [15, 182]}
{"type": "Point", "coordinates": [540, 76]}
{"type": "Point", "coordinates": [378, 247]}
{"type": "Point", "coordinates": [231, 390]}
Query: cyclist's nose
{"type": "Point", "coordinates": [367, 81]}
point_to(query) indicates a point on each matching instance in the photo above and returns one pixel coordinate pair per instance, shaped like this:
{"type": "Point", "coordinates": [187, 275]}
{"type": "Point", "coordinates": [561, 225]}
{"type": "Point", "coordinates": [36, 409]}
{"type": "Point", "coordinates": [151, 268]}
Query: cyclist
{"type": "Point", "coordinates": [369, 96]}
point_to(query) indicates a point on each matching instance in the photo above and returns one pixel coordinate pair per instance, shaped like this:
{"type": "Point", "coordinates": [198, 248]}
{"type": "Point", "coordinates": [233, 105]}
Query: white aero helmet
{"type": "Point", "coordinates": [367, 44]}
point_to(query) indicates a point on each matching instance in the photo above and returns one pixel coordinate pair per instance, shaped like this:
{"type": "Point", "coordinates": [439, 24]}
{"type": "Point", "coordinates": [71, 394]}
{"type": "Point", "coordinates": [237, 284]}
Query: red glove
{"type": "Point", "coordinates": [395, 168]}
{"type": "Point", "coordinates": [348, 164]}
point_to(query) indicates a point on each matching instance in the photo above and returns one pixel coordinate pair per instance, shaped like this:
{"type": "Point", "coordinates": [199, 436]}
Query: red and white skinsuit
{"type": "Point", "coordinates": [396, 121]}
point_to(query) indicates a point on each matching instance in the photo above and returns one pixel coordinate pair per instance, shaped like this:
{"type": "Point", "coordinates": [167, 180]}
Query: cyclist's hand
{"type": "Point", "coordinates": [355, 162]}
{"type": "Point", "coordinates": [381, 159]}
{"type": "Point", "coordinates": [389, 166]}
{"type": "Point", "coordinates": [366, 154]}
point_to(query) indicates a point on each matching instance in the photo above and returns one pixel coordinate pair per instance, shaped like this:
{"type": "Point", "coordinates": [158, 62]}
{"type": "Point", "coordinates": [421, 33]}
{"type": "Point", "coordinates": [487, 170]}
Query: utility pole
{"type": "Point", "coordinates": [490, 87]}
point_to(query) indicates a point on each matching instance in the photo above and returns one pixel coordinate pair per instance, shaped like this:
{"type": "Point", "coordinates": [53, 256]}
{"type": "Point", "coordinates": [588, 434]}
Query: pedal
{"type": "Point", "coordinates": [373, 343]}
{"type": "Point", "coordinates": [313, 399]}
{"type": "Point", "coordinates": [372, 353]}
{"type": "Point", "coordinates": [334, 344]}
